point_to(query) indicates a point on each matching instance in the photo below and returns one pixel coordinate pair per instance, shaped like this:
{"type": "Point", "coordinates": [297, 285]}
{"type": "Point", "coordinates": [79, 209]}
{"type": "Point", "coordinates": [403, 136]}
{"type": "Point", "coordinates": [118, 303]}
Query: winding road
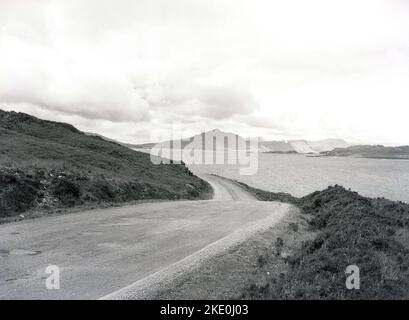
{"type": "Point", "coordinates": [115, 253]}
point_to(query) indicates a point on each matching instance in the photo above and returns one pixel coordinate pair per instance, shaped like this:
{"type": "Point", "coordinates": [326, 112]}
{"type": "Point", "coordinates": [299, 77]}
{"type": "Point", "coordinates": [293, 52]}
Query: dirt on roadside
{"type": "Point", "coordinates": [252, 263]}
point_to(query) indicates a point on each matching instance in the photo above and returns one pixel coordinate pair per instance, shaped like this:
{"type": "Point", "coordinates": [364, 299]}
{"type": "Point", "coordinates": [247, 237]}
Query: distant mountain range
{"type": "Point", "coordinates": [326, 147]}
{"type": "Point", "coordinates": [221, 139]}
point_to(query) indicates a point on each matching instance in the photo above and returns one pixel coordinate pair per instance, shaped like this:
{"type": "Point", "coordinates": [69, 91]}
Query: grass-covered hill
{"type": "Point", "coordinates": [350, 229]}
{"type": "Point", "coordinates": [50, 164]}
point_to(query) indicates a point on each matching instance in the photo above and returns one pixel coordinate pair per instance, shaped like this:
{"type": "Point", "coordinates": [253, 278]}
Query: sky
{"type": "Point", "coordinates": [288, 69]}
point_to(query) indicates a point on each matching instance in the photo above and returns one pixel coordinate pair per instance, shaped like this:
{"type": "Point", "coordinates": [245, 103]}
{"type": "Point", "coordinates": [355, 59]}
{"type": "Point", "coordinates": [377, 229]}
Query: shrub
{"type": "Point", "coordinates": [18, 192]}
{"type": "Point", "coordinates": [279, 244]}
{"type": "Point", "coordinates": [351, 229]}
{"type": "Point", "coordinates": [68, 192]}
{"type": "Point", "coordinates": [293, 226]}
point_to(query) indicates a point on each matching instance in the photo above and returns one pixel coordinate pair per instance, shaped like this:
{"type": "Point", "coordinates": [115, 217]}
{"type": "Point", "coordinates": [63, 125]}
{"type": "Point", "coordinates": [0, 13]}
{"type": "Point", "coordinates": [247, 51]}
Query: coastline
{"type": "Point", "coordinates": [356, 157]}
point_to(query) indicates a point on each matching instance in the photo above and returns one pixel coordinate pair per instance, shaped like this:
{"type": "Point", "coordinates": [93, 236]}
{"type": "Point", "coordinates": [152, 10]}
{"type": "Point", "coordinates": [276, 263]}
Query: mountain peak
{"type": "Point", "coordinates": [215, 131]}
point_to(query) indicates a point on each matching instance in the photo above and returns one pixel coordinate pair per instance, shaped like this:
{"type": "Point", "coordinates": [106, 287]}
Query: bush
{"type": "Point", "coordinates": [279, 246]}
{"type": "Point", "coordinates": [68, 192]}
{"type": "Point", "coordinates": [18, 192]}
{"type": "Point", "coordinates": [293, 226]}
{"type": "Point", "coordinates": [351, 229]}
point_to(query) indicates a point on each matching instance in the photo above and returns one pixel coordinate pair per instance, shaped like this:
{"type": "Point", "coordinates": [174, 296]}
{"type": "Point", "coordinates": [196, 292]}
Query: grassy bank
{"type": "Point", "coordinates": [45, 164]}
{"type": "Point", "coordinates": [350, 230]}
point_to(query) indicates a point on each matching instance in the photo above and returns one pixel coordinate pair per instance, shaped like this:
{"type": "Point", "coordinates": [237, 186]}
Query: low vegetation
{"type": "Point", "coordinates": [45, 164]}
{"type": "Point", "coordinates": [350, 230]}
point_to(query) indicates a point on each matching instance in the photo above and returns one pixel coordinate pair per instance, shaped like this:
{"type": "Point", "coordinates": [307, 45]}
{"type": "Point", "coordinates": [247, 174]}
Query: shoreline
{"type": "Point", "coordinates": [356, 157]}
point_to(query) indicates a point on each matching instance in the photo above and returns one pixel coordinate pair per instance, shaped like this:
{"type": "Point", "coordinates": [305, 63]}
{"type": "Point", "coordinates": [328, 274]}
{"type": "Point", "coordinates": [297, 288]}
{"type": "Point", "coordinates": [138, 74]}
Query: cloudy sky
{"type": "Point", "coordinates": [284, 69]}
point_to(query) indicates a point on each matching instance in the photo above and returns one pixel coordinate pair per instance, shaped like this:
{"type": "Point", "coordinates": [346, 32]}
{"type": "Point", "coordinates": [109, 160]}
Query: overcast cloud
{"type": "Point", "coordinates": [283, 69]}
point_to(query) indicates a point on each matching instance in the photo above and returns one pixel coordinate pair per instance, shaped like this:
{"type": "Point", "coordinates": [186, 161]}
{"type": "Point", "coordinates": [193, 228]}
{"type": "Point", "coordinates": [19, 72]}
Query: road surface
{"type": "Point", "coordinates": [100, 251]}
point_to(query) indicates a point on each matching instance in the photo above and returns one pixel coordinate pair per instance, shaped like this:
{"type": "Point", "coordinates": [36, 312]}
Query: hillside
{"type": "Point", "coordinates": [303, 146]}
{"type": "Point", "coordinates": [369, 151]}
{"type": "Point", "coordinates": [49, 164]}
{"type": "Point", "coordinates": [328, 144]}
{"type": "Point", "coordinates": [277, 147]}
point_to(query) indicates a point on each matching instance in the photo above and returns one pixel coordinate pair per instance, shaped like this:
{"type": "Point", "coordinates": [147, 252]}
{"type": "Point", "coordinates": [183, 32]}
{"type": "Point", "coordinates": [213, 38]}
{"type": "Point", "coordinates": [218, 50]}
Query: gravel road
{"type": "Point", "coordinates": [116, 252]}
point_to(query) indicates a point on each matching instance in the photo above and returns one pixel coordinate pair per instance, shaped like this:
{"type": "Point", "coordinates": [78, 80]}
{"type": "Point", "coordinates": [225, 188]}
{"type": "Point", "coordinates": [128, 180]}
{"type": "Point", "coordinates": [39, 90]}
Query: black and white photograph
{"type": "Point", "coordinates": [204, 150]}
